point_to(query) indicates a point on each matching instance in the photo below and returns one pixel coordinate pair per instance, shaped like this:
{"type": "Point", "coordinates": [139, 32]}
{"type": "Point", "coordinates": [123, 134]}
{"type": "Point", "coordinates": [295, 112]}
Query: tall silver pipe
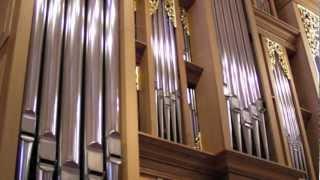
{"type": "Point", "coordinates": [176, 87]}
{"type": "Point", "coordinates": [158, 74]}
{"type": "Point", "coordinates": [24, 157]}
{"type": "Point", "coordinates": [72, 90]}
{"type": "Point", "coordinates": [31, 92]}
{"type": "Point", "coordinates": [93, 89]}
{"type": "Point", "coordinates": [168, 86]}
{"type": "Point", "coordinates": [112, 101]}
{"type": "Point", "coordinates": [51, 81]}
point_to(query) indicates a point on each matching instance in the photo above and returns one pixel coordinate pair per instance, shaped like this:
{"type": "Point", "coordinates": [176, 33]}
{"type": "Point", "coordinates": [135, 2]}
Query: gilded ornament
{"type": "Point", "coordinates": [153, 5]}
{"type": "Point", "coordinates": [185, 21]}
{"type": "Point", "coordinates": [311, 23]}
{"type": "Point", "coordinates": [276, 49]}
{"type": "Point", "coordinates": [169, 6]}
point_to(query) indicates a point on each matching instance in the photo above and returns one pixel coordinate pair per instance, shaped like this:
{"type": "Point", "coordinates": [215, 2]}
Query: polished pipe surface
{"type": "Point", "coordinates": [30, 102]}
{"type": "Point", "coordinates": [93, 85]}
{"type": "Point", "coordinates": [51, 80]}
{"type": "Point", "coordinates": [24, 157]}
{"type": "Point", "coordinates": [72, 89]}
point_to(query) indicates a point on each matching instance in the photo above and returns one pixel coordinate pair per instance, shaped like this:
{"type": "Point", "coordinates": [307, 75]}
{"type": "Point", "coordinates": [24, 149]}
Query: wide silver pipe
{"type": "Point", "coordinates": [30, 101]}
{"type": "Point", "coordinates": [93, 85]}
{"type": "Point", "coordinates": [112, 82]}
{"type": "Point", "coordinates": [72, 90]}
{"type": "Point", "coordinates": [51, 81]}
{"type": "Point", "coordinates": [24, 157]}
{"type": "Point", "coordinates": [45, 171]}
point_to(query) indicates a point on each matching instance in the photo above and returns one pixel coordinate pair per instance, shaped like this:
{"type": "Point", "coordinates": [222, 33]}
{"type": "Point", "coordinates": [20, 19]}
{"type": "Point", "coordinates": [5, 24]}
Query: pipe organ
{"type": "Point", "coordinates": [246, 111]}
{"type": "Point", "coordinates": [159, 89]}
{"type": "Point", "coordinates": [70, 119]}
{"type": "Point", "coordinates": [286, 106]}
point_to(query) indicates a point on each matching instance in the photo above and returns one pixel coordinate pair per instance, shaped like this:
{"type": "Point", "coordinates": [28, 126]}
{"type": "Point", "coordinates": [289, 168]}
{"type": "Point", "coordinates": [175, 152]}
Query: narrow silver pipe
{"type": "Point", "coordinates": [112, 82]}
{"type": "Point", "coordinates": [24, 157]}
{"type": "Point", "coordinates": [93, 89]}
{"type": "Point", "coordinates": [30, 101]}
{"type": "Point", "coordinates": [164, 70]}
{"type": "Point", "coordinates": [169, 77]}
{"type": "Point", "coordinates": [175, 82]}
{"type": "Point", "coordinates": [158, 74]}
{"type": "Point", "coordinates": [112, 171]}
{"type": "Point", "coordinates": [72, 90]}
{"type": "Point", "coordinates": [45, 171]}
{"type": "Point", "coordinates": [51, 80]}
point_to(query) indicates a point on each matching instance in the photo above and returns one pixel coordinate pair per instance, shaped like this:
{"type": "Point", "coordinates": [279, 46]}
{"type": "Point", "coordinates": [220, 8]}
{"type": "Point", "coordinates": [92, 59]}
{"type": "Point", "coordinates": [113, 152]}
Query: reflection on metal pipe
{"type": "Point", "coordinates": [30, 103]}
{"type": "Point", "coordinates": [93, 86]}
{"type": "Point", "coordinates": [112, 58]}
{"type": "Point", "coordinates": [72, 90]}
{"type": "Point", "coordinates": [24, 157]}
{"type": "Point", "coordinates": [51, 81]}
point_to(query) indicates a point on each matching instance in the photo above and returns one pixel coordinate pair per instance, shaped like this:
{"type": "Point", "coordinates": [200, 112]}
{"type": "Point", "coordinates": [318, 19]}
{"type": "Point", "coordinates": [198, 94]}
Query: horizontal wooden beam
{"type": "Point", "coordinates": [276, 29]}
{"type": "Point", "coordinates": [161, 158]}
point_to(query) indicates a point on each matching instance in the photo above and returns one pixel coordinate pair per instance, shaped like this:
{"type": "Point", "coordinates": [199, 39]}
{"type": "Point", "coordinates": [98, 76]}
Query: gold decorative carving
{"type": "Point", "coordinates": [197, 141]}
{"type": "Point", "coordinates": [153, 6]}
{"type": "Point", "coordinates": [185, 21]}
{"type": "Point", "coordinates": [276, 49]}
{"type": "Point", "coordinates": [311, 23]}
{"type": "Point", "coordinates": [169, 6]}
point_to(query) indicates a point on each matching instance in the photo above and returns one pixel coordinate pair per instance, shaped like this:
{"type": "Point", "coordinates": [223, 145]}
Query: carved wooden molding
{"type": "Point", "coordinates": [165, 159]}
{"type": "Point", "coordinates": [310, 4]}
{"type": "Point", "coordinates": [276, 29]}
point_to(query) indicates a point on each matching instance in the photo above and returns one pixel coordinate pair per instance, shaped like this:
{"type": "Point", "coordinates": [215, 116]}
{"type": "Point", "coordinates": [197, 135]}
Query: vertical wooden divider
{"type": "Point", "coordinates": [274, 133]}
{"type": "Point", "coordinates": [311, 172]}
{"type": "Point", "coordinates": [128, 96]}
{"type": "Point", "coordinates": [10, 118]}
{"type": "Point", "coordinates": [187, 131]}
{"type": "Point", "coordinates": [211, 101]}
{"type": "Point", "coordinates": [148, 121]}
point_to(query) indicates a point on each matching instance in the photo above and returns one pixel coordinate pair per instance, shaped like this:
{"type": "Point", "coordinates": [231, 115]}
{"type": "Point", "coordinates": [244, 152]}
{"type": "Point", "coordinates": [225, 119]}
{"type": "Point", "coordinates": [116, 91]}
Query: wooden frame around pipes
{"type": "Point", "coordinates": [297, 108]}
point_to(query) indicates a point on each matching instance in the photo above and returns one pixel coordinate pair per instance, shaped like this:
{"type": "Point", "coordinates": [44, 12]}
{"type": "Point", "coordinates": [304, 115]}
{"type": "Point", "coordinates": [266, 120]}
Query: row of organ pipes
{"type": "Point", "coordinates": [70, 117]}
{"type": "Point", "coordinates": [241, 81]}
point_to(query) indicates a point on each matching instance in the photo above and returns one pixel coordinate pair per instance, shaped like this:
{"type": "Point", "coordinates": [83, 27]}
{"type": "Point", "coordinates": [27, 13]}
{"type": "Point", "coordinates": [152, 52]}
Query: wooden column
{"type": "Point", "coordinates": [12, 90]}
{"type": "Point", "coordinates": [212, 110]}
{"type": "Point", "coordinates": [128, 96]}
